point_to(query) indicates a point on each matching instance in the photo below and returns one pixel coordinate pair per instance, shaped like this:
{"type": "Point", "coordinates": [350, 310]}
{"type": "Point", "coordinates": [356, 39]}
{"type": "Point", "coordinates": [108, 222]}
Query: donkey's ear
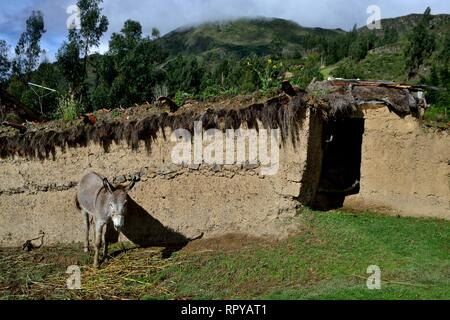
{"type": "Point", "coordinates": [131, 185]}
{"type": "Point", "coordinates": [107, 185]}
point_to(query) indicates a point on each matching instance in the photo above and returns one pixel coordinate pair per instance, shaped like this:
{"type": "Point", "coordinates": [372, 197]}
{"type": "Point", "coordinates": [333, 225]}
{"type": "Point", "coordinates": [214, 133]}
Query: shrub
{"type": "Point", "coordinates": [68, 109]}
{"type": "Point", "coordinates": [181, 97]}
{"type": "Point", "coordinates": [309, 71]}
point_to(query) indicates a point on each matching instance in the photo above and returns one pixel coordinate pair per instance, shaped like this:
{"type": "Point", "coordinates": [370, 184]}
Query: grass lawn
{"type": "Point", "coordinates": [326, 259]}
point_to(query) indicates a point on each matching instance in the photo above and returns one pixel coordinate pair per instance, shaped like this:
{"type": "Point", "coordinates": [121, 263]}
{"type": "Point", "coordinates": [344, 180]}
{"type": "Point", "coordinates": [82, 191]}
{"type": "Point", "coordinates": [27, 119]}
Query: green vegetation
{"type": "Point", "coordinates": [326, 259]}
{"type": "Point", "coordinates": [68, 109]}
{"type": "Point", "coordinates": [225, 58]}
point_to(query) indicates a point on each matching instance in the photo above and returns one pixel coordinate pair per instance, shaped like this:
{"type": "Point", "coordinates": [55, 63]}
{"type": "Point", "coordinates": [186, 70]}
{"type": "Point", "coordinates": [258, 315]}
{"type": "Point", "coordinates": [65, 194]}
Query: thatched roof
{"type": "Point", "coordinates": [344, 98]}
{"type": "Point", "coordinates": [14, 106]}
{"type": "Point", "coordinates": [280, 112]}
{"type": "Point", "coordinates": [286, 111]}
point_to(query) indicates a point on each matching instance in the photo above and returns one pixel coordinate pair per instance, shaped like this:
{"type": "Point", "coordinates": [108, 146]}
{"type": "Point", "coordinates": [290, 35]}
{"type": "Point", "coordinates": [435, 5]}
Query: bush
{"type": "Point", "coordinates": [267, 71]}
{"type": "Point", "coordinates": [181, 97]}
{"type": "Point", "coordinates": [68, 109]}
{"type": "Point", "coordinates": [309, 71]}
{"type": "Point", "coordinates": [348, 69]}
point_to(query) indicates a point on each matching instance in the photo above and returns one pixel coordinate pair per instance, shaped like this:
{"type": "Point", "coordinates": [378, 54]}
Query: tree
{"type": "Point", "coordinates": [5, 64]}
{"type": "Point", "coordinates": [130, 70]}
{"type": "Point", "coordinates": [276, 48]}
{"type": "Point", "coordinates": [156, 34]}
{"type": "Point", "coordinates": [185, 74]}
{"type": "Point", "coordinates": [28, 49]}
{"type": "Point", "coordinates": [421, 43]}
{"type": "Point", "coordinates": [390, 35]}
{"type": "Point", "coordinates": [93, 26]}
{"type": "Point", "coordinates": [129, 37]}
{"type": "Point", "coordinates": [358, 49]}
{"type": "Point", "coordinates": [68, 60]}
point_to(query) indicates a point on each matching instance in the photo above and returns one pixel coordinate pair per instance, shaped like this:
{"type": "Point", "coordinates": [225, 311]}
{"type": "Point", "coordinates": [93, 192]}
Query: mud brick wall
{"type": "Point", "coordinates": [172, 201]}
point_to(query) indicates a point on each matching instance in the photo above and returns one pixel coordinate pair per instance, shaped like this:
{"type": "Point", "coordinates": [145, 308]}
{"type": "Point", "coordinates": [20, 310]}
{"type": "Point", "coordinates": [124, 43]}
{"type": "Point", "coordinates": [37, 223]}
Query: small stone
{"type": "Point", "coordinates": [229, 167]}
{"type": "Point", "coordinates": [216, 168]}
{"type": "Point", "coordinates": [249, 166]}
{"type": "Point", "coordinates": [194, 167]}
{"type": "Point", "coordinates": [172, 175]}
{"type": "Point", "coordinates": [136, 176]}
{"type": "Point", "coordinates": [230, 175]}
{"type": "Point", "coordinates": [143, 172]}
{"type": "Point", "coordinates": [164, 171]}
{"type": "Point", "coordinates": [121, 179]}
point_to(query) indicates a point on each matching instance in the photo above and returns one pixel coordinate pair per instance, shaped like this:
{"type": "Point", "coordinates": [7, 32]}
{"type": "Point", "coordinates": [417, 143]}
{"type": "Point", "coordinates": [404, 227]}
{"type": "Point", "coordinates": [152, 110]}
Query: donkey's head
{"type": "Point", "coordinates": [116, 203]}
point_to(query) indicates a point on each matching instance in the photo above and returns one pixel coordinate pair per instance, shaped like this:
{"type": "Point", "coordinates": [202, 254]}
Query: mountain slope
{"type": "Point", "coordinates": [243, 37]}
{"type": "Point", "coordinates": [263, 36]}
{"type": "Point", "coordinates": [405, 24]}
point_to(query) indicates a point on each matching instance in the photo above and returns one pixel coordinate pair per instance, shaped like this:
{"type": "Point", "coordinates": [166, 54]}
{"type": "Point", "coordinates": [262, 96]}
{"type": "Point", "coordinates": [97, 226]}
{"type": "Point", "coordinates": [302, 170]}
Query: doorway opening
{"type": "Point", "coordinates": [341, 163]}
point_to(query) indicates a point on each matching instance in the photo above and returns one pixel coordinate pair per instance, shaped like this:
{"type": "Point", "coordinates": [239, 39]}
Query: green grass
{"type": "Point", "coordinates": [377, 65]}
{"type": "Point", "coordinates": [438, 116]}
{"type": "Point", "coordinates": [326, 72]}
{"type": "Point", "coordinates": [327, 259]}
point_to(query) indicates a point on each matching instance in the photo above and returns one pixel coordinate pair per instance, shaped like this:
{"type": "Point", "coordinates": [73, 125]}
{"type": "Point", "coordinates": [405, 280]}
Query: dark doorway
{"type": "Point", "coordinates": [341, 163]}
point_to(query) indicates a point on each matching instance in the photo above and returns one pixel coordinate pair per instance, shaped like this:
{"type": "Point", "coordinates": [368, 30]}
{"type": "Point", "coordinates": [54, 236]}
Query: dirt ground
{"type": "Point", "coordinates": [41, 273]}
{"type": "Point", "coordinates": [326, 258]}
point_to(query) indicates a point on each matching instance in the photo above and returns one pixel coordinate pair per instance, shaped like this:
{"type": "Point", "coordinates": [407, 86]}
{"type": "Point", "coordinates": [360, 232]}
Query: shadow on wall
{"type": "Point", "coordinates": [145, 231]}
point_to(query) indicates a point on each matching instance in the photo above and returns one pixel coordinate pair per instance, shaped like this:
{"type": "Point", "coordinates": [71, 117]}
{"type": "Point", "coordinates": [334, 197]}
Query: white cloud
{"type": "Point", "coordinates": [170, 14]}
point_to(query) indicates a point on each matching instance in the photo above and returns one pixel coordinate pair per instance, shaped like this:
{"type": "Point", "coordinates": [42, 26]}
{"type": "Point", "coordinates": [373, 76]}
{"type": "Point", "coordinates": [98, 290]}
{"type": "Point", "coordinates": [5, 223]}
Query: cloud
{"type": "Point", "coordinates": [171, 14]}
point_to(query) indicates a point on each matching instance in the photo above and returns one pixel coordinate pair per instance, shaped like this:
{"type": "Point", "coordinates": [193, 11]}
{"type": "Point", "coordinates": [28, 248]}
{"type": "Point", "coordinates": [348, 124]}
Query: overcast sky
{"type": "Point", "coordinates": [171, 14]}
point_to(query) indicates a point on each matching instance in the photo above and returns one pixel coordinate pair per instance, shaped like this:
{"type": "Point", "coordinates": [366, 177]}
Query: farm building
{"type": "Point", "coordinates": [342, 143]}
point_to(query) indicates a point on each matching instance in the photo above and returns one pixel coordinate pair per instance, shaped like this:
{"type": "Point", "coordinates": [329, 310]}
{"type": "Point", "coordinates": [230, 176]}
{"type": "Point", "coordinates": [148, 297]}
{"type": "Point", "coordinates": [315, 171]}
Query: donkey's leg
{"type": "Point", "coordinates": [86, 223]}
{"type": "Point", "coordinates": [98, 240]}
{"type": "Point", "coordinates": [105, 240]}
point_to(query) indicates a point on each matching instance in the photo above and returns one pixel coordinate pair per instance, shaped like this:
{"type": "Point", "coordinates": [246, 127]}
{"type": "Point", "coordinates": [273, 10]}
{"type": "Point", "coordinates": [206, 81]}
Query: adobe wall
{"type": "Point", "coordinates": [405, 167]}
{"type": "Point", "coordinates": [39, 195]}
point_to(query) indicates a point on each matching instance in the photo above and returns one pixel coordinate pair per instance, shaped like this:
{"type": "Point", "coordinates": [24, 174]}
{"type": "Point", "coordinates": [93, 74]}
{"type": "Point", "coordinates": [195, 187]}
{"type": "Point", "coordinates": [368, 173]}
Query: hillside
{"type": "Point", "coordinates": [261, 36]}
{"type": "Point", "coordinates": [243, 37]}
{"type": "Point", "coordinates": [403, 25]}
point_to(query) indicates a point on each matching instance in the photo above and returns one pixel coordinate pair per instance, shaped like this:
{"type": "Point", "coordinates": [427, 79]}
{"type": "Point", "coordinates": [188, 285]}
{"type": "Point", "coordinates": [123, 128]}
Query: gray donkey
{"type": "Point", "coordinates": [105, 203]}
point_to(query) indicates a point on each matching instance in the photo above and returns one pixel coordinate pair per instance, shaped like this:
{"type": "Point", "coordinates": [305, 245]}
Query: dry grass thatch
{"type": "Point", "coordinates": [280, 112]}
{"type": "Point", "coordinates": [332, 99]}
{"type": "Point", "coordinates": [345, 98]}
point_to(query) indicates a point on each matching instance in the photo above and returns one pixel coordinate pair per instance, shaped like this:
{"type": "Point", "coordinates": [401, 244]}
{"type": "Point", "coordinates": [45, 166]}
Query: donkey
{"type": "Point", "coordinates": [104, 202]}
